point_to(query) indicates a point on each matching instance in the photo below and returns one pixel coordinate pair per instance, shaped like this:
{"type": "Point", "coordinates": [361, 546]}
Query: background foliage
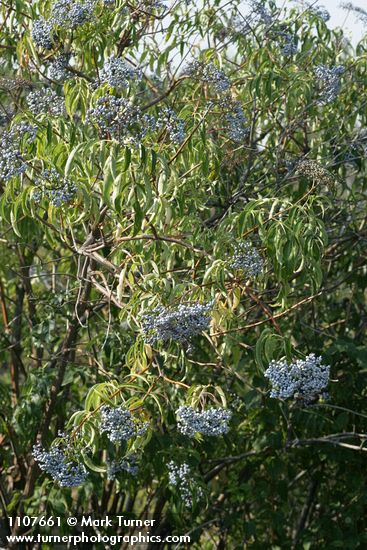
{"type": "Point", "coordinates": [155, 221]}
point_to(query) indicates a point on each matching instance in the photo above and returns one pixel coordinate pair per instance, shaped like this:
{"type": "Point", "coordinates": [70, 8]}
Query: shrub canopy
{"type": "Point", "coordinates": [183, 207]}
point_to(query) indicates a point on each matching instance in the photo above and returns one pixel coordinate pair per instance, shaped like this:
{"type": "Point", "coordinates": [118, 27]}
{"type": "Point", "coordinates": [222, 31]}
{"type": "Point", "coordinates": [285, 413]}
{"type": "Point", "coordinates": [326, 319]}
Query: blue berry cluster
{"type": "Point", "coordinates": [117, 73]}
{"type": "Point", "coordinates": [154, 4]}
{"type": "Point", "coordinates": [57, 188]}
{"type": "Point", "coordinates": [236, 124]}
{"type": "Point", "coordinates": [118, 118]}
{"type": "Point", "coordinates": [316, 10]}
{"type": "Point", "coordinates": [319, 11]}
{"type": "Point", "coordinates": [212, 422]}
{"type": "Point", "coordinates": [42, 33]}
{"type": "Point", "coordinates": [58, 69]}
{"type": "Point", "coordinates": [11, 160]}
{"type": "Point", "coordinates": [304, 379]}
{"type": "Point", "coordinates": [119, 425]}
{"type": "Point", "coordinates": [329, 79]}
{"type": "Point", "coordinates": [260, 12]}
{"type": "Point", "coordinates": [128, 464]}
{"type": "Point", "coordinates": [66, 14]}
{"type": "Point", "coordinates": [179, 324]}
{"type": "Point", "coordinates": [45, 101]}
{"type": "Point", "coordinates": [180, 477]}
{"type": "Point", "coordinates": [248, 259]}
{"type": "Point", "coordinates": [237, 26]}
{"type": "Point", "coordinates": [70, 14]}
{"type": "Point", "coordinates": [175, 126]}
{"type": "Point", "coordinates": [56, 463]}
{"type": "Point", "coordinates": [208, 72]}
{"type": "Point", "coordinates": [289, 47]}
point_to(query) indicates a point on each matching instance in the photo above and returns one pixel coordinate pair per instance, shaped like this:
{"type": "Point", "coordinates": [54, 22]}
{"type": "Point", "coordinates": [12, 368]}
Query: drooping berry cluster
{"type": "Point", "coordinates": [248, 259]}
{"type": "Point", "coordinates": [175, 126]}
{"type": "Point", "coordinates": [42, 33]}
{"type": "Point", "coordinates": [46, 101]}
{"type": "Point", "coordinates": [260, 13]}
{"type": "Point", "coordinates": [289, 47]}
{"type": "Point", "coordinates": [208, 72]}
{"type": "Point", "coordinates": [128, 464]}
{"type": "Point", "coordinates": [313, 170]}
{"type": "Point", "coordinates": [11, 160]}
{"type": "Point", "coordinates": [181, 478]}
{"type": "Point", "coordinates": [329, 79]}
{"type": "Point", "coordinates": [55, 462]}
{"type": "Point", "coordinates": [55, 187]}
{"type": "Point", "coordinates": [59, 68]}
{"type": "Point", "coordinates": [211, 422]}
{"type": "Point", "coordinates": [304, 379]}
{"type": "Point", "coordinates": [315, 9]}
{"type": "Point", "coordinates": [179, 324]}
{"type": "Point", "coordinates": [118, 118]}
{"type": "Point", "coordinates": [70, 14]}
{"type": "Point", "coordinates": [119, 424]}
{"type": "Point", "coordinates": [65, 14]}
{"type": "Point", "coordinates": [117, 73]}
{"type": "Point", "coordinates": [236, 124]}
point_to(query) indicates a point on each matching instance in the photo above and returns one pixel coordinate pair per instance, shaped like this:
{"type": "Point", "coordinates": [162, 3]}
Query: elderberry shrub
{"type": "Point", "coordinates": [181, 478]}
{"type": "Point", "coordinates": [211, 422]}
{"type": "Point", "coordinates": [247, 259]}
{"type": "Point", "coordinates": [179, 324]}
{"type": "Point", "coordinates": [304, 379]}
{"type": "Point", "coordinates": [56, 462]}
{"type": "Point", "coordinates": [55, 187]}
{"type": "Point", "coordinates": [119, 424]}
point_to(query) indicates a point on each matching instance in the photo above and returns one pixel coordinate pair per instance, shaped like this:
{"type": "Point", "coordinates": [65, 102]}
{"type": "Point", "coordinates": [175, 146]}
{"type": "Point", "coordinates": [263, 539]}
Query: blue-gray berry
{"type": "Point", "coordinates": [329, 79]}
{"type": "Point", "coordinates": [57, 188]}
{"type": "Point", "coordinates": [117, 73]}
{"type": "Point", "coordinates": [211, 422]}
{"type": "Point", "coordinates": [59, 466]}
{"type": "Point", "coordinates": [45, 101]}
{"type": "Point", "coordinates": [179, 324]}
{"type": "Point", "coordinates": [181, 479]}
{"type": "Point", "coordinates": [119, 424]}
{"type": "Point", "coordinates": [248, 259]}
{"type": "Point", "coordinates": [304, 379]}
{"type": "Point", "coordinates": [42, 33]}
